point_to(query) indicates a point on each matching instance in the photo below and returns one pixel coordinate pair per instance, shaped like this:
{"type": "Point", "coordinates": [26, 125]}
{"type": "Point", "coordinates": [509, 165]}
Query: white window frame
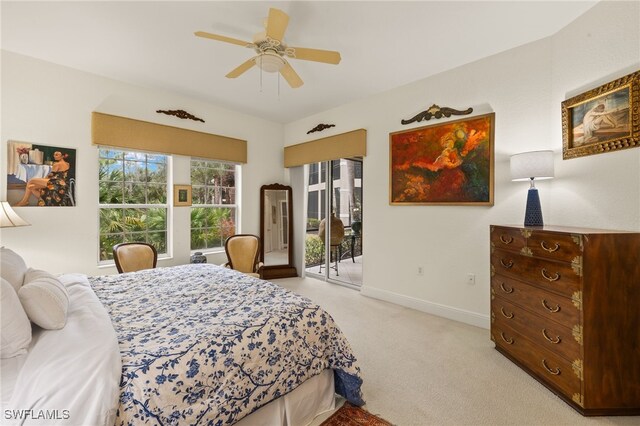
{"type": "Point", "coordinates": [167, 205]}
{"type": "Point", "coordinates": [237, 205]}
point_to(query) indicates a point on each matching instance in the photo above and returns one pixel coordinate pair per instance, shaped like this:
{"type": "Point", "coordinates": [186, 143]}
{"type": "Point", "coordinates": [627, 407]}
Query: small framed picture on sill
{"type": "Point", "coordinates": [181, 195]}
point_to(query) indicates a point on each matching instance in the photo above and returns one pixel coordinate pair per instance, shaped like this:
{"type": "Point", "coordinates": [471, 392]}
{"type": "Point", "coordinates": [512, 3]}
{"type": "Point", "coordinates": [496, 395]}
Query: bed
{"type": "Point", "coordinates": [192, 344]}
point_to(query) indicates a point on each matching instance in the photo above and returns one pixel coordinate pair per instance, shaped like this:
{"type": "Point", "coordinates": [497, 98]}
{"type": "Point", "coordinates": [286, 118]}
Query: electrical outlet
{"type": "Point", "coordinates": [471, 279]}
{"type": "Point", "coordinates": [420, 270]}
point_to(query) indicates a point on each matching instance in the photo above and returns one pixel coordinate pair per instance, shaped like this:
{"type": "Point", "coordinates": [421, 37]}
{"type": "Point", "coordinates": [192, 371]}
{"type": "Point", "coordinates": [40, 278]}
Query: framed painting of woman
{"type": "Point", "coordinates": [603, 119]}
{"type": "Point", "coordinates": [40, 175]}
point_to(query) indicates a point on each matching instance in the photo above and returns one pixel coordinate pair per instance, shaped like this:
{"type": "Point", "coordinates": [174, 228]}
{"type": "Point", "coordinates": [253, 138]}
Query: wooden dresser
{"type": "Point", "coordinates": [565, 307]}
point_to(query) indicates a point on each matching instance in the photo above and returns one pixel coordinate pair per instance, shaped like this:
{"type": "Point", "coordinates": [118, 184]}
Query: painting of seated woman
{"type": "Point", "coordinates": [40, 175]}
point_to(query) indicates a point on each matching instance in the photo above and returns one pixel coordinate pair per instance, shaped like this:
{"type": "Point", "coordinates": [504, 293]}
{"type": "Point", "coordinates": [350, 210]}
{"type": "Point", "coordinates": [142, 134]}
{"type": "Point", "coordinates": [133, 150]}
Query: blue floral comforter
{"type": "Point", "coordinates": [203, 344]}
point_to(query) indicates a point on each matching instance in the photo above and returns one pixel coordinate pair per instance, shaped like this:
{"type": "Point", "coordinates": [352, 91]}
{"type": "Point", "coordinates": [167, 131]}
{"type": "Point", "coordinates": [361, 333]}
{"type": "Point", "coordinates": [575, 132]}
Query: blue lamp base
{"type": "Point", "coordinates": [533, 214]}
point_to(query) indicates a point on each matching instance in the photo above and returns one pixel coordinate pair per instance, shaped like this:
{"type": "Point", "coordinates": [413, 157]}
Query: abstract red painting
{"type": "Point", "coordinates": [448, 163]}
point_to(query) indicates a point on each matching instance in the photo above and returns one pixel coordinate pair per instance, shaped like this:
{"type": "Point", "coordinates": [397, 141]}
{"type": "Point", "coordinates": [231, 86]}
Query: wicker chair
{"type": "Point", "coordinates": [337, 235]}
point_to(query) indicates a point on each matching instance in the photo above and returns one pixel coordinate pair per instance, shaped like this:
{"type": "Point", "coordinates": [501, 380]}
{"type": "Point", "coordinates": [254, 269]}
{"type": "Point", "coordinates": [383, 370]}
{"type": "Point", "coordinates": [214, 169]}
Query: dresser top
{"type": "Point", "coordinates": [568, 229]}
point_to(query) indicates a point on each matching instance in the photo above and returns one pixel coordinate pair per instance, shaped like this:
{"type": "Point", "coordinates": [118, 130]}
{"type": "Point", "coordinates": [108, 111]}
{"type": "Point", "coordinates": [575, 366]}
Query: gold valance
{"type": "Point", "coordinates": [344, 145]}
{"type": "Point", "coordinates": [121, 132]}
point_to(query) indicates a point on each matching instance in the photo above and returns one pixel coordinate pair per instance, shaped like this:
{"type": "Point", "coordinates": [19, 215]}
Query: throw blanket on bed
{"type": "Point", "coordinates": [202, 344]}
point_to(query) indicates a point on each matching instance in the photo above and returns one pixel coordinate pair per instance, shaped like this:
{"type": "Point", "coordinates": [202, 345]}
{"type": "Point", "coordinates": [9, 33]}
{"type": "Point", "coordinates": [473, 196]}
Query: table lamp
{"type": "Point", "coordinates": [533, 165]}
{"type": "Point", "coordinates": [9, 218]}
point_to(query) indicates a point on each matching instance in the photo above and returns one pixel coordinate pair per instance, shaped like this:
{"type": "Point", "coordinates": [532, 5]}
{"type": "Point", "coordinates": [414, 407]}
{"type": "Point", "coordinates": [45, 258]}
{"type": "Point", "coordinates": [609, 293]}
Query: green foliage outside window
{"type": "Point", "coordinates": [133, 199]}
{"type": "Point", "coordinates": [214, 209]}
{"type": "Point", "coordinates": [314, 249]}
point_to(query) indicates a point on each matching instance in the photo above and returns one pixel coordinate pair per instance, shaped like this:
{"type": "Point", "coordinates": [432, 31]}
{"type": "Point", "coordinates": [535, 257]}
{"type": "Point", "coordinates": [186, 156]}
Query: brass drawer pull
{"type": "Point", "coordinates": [546, 367]}
{"type": "Point", "coordinates": [547, 307]}
{"type": "Point", "coordinates": [508, 341]}
{"type": "Point", "coordinates": [505, 240]}
{"type": "Point", "coordinates": [549, 249]}
{"type": "Point", "coordinates": [554, 341]}
{"type": "Point", "coordinates": [505, 315]}
{"type": "Point", "coordinates": [506, 289]}
{"type": "Point", "coordinates": [507, 265]}
{"type": "Point", "coordinates": [547, 277]}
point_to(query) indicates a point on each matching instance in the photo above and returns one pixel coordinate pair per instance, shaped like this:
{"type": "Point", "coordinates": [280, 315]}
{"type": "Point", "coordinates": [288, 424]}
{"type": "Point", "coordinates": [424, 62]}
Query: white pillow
{"type": "Point", "coordinates": [15, 328]}
{"type": "Point", "coordinates": [45, 299]}
{"type": "Point", "coordinates": [12, 267]}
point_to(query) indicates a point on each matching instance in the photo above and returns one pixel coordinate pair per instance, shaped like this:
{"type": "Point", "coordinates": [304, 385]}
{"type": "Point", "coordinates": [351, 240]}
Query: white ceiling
{"type": "Point", "coordinates": [383, 44]}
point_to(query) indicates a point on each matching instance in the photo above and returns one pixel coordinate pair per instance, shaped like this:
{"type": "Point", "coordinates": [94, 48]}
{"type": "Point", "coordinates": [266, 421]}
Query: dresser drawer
{"type": "Point", "coordinates": [541, 331]}
{"type": "Point", "coordinates": [559, 277]}
{"type": "Point", "coordinates": [507, 238]}
{"type": "Point", "coordinates": [564, 376]}
{"type": "Point", "coordinates": [563, 310]}
{"type": "Point", "coordinates": [556, 246]}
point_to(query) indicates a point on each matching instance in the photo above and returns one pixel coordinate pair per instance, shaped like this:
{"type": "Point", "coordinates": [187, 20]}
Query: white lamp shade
{"type": "Point", "coordinates": [9, 218]}
{"type": "Point", "coordinates": [532, 165]}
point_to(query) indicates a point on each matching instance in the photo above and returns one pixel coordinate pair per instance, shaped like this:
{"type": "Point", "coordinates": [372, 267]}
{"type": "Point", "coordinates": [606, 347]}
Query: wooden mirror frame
{"type": "Point", "coordinates": [277, 271]}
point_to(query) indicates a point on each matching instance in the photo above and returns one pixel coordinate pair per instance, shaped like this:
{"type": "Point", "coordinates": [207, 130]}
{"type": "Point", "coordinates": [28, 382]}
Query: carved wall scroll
{"type": "Point", "coordinates": [180, 114]}
{"type": "Point", "coordinates": [320, 127]}
{"type": "Point", "coordinates": [437, 112]}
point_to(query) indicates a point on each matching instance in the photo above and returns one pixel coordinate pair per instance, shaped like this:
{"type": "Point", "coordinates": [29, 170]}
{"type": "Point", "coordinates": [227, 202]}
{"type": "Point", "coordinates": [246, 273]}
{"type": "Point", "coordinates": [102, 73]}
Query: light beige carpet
{"type": "Point", "coordinates": [420, 369]}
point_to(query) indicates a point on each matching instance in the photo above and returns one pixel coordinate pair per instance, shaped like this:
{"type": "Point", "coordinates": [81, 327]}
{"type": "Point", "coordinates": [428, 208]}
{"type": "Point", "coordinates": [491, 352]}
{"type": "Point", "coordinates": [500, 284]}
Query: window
{"type": "Point", "coordinates": [132, 199]}
{"type": "Point", "coordinates": [313, 173]}
{"type": "Point", "coordinates": [214, 210]}
{"type": "Point", "coordinates": [336, 169]}
{"type": "Point", "coordinates": [357, 169]}
{"type": "Point", "coordinates": [313, 214]}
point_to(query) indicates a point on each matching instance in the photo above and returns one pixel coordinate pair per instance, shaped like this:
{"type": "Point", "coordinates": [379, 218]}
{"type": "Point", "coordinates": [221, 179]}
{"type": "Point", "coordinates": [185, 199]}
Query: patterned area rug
{"type": "Point", "coordinates": [350, 415]}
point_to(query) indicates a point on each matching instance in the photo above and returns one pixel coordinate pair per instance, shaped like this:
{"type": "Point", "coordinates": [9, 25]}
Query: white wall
{"type": "Point", "coordinates": [524, 87]}
{"type": "Point", "coordinates": [47, 104]}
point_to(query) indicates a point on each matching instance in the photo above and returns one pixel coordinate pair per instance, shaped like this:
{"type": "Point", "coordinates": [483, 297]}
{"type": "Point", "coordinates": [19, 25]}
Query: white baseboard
{"type": "Point", "coordinates": [444, 311]}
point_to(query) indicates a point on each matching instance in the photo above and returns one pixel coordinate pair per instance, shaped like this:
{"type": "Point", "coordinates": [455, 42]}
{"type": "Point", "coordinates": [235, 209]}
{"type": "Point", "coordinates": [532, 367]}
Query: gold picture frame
{"type": "Point", "coordinates": [603, 119]}
{"type": "Point", "coordinates": [450, 163]}
{"type": "Point", "coordinates": [181, 195]}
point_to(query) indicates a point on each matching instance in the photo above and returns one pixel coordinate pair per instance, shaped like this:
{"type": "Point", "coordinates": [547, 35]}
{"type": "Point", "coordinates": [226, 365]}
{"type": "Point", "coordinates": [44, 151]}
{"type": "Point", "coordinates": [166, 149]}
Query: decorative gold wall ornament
{"type": "Point", "coordinates": [437, 112]}
{"type": "Point", "coordinates": [320, 127]}
{"type": "Point", "coordinates": [180, 113]}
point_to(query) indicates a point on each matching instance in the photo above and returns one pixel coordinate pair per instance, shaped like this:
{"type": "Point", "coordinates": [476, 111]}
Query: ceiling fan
{"type": "Point", "coordinates": [271, 50]}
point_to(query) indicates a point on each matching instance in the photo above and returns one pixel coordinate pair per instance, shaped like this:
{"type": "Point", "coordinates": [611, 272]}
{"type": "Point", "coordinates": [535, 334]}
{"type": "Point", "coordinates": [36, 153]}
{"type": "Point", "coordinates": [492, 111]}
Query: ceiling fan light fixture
{"type": "Point", "coordinates": [270, 62]}
{"type": "Point", "coordinates": [271, 51]}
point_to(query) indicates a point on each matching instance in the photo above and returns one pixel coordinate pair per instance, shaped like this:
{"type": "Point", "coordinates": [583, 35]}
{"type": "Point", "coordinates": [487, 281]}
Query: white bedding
{"type": "Point", "coordinates": [70, 376]}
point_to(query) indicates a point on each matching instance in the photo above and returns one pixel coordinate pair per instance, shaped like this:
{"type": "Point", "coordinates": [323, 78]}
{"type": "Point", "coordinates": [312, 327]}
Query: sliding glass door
{"type": "Point", "coordinates": [333, 243]}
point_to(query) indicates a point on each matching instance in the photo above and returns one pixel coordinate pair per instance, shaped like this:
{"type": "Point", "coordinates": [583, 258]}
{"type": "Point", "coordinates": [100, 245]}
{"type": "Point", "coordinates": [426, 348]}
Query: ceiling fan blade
{"type": "Point", "coordinates": [317, 55]}
{"type": "Point", "coordinates": [277, 24]}
{"type": "Point", "coordinates": [291, 76]}
{"type": "Point", "coordinates": [224, 38]}
{"type": "Point", "coordinates": [244, 67]}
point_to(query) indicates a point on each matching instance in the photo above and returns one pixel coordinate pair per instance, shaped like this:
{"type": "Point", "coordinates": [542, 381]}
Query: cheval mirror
{"type": "Point", "coordinates": [276, 232]}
